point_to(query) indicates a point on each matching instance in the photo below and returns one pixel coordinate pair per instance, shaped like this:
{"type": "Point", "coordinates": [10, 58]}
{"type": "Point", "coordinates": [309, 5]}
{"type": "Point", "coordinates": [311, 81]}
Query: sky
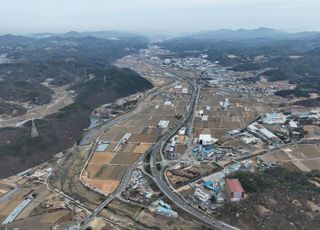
{"type": "Point", "coordinates": [157, 16]}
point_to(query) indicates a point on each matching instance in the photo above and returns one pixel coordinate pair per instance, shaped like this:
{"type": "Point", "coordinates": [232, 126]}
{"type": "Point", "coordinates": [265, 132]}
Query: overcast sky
{"type": "Point", "coordinates": [30, 16]}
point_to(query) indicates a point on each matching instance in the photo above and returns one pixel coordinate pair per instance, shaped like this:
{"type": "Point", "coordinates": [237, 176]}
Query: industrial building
{"type": "Point", "coordinates": [125, 138]}
{"type": "Point", "coordinates": [206, 139]}
{"type": "Point", "coordinates": [102, 146]}
{"type": "Point", "coordinates": [224, 104]}
{"type": "Point", "coordinates": [293, 124]}
{"type": "Point", "coordinates": [167, 103]}
{"type": "Point", "coordinates": [263, 133]}
{"type": "Point", "coordinates": [167, 61]}
{"type": "Point", "coordinates": [182, 131]}
{"type": "Point", "coordinates": [210, 185]}
{"type": "Point", "coordinates": [204, 118]}
{"type": "Point", "coordinates": [185, 90]}
{"type": "Point", "coordinates": [164, 209]}
{"type": "Point", "coordinates": [201, 195]}
{"type": "Point", "coordinates": [234, 189]}
{"type": "Point", "coordinates": [274, 118]}
{"type": "Point", "coordinates": [163, 124]}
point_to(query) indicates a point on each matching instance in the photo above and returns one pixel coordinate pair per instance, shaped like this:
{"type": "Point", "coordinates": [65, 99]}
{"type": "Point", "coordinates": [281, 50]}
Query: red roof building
{"type": "Point", "coordinates": [234, 189]}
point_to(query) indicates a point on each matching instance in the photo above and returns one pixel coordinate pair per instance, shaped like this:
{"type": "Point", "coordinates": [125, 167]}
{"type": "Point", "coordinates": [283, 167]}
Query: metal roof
{"type": "Point", "coordinates": [234, 185]}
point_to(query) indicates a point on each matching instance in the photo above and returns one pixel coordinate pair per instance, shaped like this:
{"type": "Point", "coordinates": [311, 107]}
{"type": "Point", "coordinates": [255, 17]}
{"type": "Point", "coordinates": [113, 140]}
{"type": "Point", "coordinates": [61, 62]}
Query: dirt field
{"type": "Point", "coordinates": [91, 170]}
{"type": "Point", "coordinates": [106, 186]}
{"type": "Point", "coordinates": [175, 180]}
{"type": "Point", "coordinates": [100, 224]}
{"type": "Point", "coordinates": [304, 157]}
{"type": "Point", "coordinates": [313, 132]}
{"type": "Point", "coordinates": [53, 217]}
{"type": "Point", "coordinates": [125, 158]}
{"type": "Point", "coordinates": [113, 172]}
{"type": "Point", "coordinates": [181, 148]}
{"type": "Point", "coordinates": [142, 148]}
{"type": "Point", "coordinates": [102, 157]}
{"type": "Point", "coordinates": [7, 207]}
{"type": "Point", "coordinates": [3, 191]}
{"type": "Point", "coordinates": [33, 222]}
{"type": "Point", "coordinates": [143, 138]}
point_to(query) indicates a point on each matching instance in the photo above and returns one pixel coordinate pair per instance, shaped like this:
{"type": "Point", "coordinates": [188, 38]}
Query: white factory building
{"type": "Point", "coordinates": [201, 195]}
{"type": "Point", "coordinates": [293, 124]}
{"type": "Point", "coordinates": [262, 132]}
{"type": "Point", "coordinates": [204, 118]}
{"type": "Point", "coordinates": [185, 90]}
{"type": "Point", "coordinates": [167, 61]}
{"type": "Point", "coordinates": [274, 118]}
{"type": "Point", "coordinates": [224, 104]}
{"type": "Point", "coordinates": [163, 124]}
{"type": "Point", "coordinates": [182, 131]}
{"type": "Point", "coordinates": [207, 139]}
{"type": "Point", "coordinates": [167, 103]}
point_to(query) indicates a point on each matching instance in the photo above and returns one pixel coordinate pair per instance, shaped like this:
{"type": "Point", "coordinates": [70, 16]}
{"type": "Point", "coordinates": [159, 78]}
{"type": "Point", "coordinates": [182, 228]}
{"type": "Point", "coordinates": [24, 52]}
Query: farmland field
{"type": "Point", "coordinates": [304, 157]}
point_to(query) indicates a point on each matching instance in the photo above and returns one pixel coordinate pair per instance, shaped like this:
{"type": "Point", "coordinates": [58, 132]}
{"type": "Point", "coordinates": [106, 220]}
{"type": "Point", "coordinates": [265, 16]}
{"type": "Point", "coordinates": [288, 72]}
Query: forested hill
{"type": "Point", "coordinates": [85, 63]}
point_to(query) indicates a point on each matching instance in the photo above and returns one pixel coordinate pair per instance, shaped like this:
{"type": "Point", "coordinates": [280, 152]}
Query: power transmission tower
{"type": "Point", "coordinates": [34, 130]}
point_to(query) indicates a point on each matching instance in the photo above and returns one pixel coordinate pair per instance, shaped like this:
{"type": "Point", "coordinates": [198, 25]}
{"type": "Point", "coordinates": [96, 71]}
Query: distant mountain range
{"type": "Point", "coordinates": [8, 40]}
{"type": "Point", "coordinates": [245, 34]}
{"type": "Point", "coordinates": [260, 34]}
{"type": "Point", "coordinates": [97, 34]}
